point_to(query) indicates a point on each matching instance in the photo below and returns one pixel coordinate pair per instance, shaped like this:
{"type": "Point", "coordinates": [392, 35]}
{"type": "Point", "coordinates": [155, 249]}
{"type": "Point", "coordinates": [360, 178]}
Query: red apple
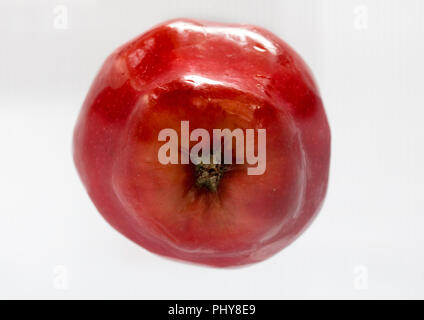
{"type": "Point", "coordinates": [214, 76]}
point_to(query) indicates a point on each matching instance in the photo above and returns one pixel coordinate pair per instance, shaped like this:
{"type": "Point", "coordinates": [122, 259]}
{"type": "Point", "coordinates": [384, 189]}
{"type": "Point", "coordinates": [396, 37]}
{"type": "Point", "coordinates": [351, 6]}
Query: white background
{"type": "Point", "coordinates": [367, 242]}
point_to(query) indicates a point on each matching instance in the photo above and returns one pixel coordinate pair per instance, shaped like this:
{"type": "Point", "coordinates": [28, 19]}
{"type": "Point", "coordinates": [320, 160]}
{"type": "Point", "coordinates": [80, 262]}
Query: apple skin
{"type": "Point", "coordinates": [215, 76]}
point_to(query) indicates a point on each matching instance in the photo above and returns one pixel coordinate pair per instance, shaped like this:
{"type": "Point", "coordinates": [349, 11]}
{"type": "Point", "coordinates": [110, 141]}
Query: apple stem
{"type": "Point", "coordinates": [208, 175]}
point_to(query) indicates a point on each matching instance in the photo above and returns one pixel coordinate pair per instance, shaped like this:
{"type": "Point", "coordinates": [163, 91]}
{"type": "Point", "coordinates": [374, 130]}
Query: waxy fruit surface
{"type": "Point", "coordinates": [214, 76]}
